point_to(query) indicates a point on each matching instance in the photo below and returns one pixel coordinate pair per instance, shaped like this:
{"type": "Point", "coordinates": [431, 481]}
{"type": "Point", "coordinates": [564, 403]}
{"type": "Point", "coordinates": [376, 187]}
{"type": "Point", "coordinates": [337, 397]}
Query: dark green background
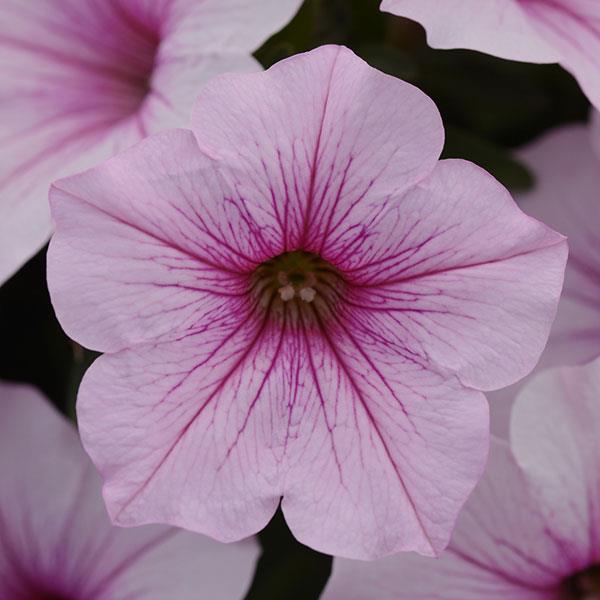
{"type": "Point", "coordinates": [489, 106]}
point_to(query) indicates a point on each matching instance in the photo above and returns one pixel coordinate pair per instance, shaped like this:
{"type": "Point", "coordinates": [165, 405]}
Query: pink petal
{"type": "Point", "coordinates": [224, 27]}
{"type": "Point", "coordinates": [210, 410]}
{"type": "Point", "coordinates": [567, 170]}
{"type": "Point", "coordinates": [461, 262]}
{"type": "Point", "coordinates": [554, 434]}
{"type": "Point", "coordinates": [572, 27]}
{"type": "Point", "coordinates": [210, 431]}
{"type": "Point", "coordinates": [500, 549]}
{"type": "Point", "coordinates": [55, 534]}
{"type": "Point", "coordinates": [321, 138]}
{"type": "Point", "coordinates": [143, 248]}
{"type": "Point", "coordinates": [497, 27]}
{"type": "Point", "coordinates": [81, 80]}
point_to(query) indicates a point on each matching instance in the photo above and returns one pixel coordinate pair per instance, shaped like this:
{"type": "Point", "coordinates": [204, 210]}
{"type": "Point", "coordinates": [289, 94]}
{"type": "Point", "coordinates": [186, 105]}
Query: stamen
{"type": "Point", "coordinates": [287, 292]}
{"type": "Point", "coordinates": [307, 294]}
{"type": "Point", "coordinates": [298, 278]}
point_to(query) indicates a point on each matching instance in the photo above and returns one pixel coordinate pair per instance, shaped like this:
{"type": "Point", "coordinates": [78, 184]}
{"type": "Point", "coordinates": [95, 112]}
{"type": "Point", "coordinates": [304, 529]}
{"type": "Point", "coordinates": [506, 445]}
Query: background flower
{"type": "Point", "coordinates": [298, 302]}
{"type": "Point", "coordinates": [83, 79]}
{"type": "Point", "coordinates": [530, 529]}
{"type": "Point", "coordinates": [564, 31]}
{"type": "Point", "coordinates": [566, 164]}
{"type": "Point", "coordinates": [56, 541]}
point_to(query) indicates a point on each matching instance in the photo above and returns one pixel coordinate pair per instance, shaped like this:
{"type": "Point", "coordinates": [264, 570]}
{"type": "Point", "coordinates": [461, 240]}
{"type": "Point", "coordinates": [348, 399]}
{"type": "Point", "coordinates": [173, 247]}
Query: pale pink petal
{"type": "Point", "coordinates": [147, 244]}
{"type": "Point", "coordinates": [214, 404]}
{"type": "Point", "coordinates": [554, 435]}
{"type": "Point", "coordinates": [566, 198]}
{"type": "Point", "coordinates": [318, 139]}
{"type": "Point", "coordinates": [81, 80]}
{"type": "Point", "coordinates": [469, 280]}
{"type": "Point", "coordinates": [567, 171]}
{"type": "Point", "coordinates": [225, 27]}
{"type": "Point", "coordinates": [500, 549]}
{"type": "Point", "coordinates": [498, 27]}
{"type": "Point", "coordinates": [572, 28]}
{"type": "Point", "coordinates": [56, 538]}
{"type": "Point", "coordinates": [210, 431]}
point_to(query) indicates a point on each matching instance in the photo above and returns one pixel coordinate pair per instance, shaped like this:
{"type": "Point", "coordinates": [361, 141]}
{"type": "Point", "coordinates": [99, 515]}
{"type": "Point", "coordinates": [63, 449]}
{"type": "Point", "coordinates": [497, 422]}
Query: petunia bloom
{"type": "Point", "coordinates": [539, 31]}
{"type": "Point", "coordinates": [298, 302]}
{"type": "Point", "coordinates": [57, 542]}
{"type": "Point", "coordinates": [530, 529]}
{"type": "Point", "coordinates": [566, 163]}
{"type": "Point", "coordinates": [83, 79]}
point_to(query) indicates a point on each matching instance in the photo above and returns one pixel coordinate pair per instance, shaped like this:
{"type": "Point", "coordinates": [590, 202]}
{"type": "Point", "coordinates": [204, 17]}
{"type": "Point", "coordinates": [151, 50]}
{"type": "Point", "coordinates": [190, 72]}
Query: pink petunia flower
{"type": "Point", "coordinates": [56, 541]}
{"type": "Point", "coordinates": [83, 79]}
{"type": "Point", "coordinates": [298, 302]}
{"type": "Point", "coordinates": [566, 163]}
{"type": "Point", "coordinates": [530, 529]}
{"type": "Point", "coordinates": [538, 31]}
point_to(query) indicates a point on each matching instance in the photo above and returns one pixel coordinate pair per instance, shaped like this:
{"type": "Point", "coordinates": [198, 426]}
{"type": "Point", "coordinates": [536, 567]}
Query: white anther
{"type": "Point", "coordinates": [307, 294]}
{"type": "Point", "coordinates": [287, 292]}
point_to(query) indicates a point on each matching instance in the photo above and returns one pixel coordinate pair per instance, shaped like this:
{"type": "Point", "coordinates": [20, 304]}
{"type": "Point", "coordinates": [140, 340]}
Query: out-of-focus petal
{"type": "Point", "coordinates": [498, 27]}
{"type": "Point", "coordinates": [55, 535]}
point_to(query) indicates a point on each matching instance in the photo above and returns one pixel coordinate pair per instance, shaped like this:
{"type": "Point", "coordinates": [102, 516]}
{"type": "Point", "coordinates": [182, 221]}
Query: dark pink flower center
{"type": "Point", "coordinates": [298, 281]}
{"type": "Point", "coordinates": [584, 585]}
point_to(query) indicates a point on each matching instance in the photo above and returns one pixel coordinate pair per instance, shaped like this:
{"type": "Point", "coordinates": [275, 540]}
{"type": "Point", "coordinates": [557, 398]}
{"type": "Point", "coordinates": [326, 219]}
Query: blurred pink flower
{"type": "Point", "coordinates": [530, 529]}
{"type": "Point", "coordinates": [83, 79]}
{"type": "Point", "coordinates": [56, 541]}
{"type": "Point", "coordinates": [539, 31]}
{"type": "Point", "coordinates": [566, 164]}
{"type": "Point", "coordinates": [299, 301]}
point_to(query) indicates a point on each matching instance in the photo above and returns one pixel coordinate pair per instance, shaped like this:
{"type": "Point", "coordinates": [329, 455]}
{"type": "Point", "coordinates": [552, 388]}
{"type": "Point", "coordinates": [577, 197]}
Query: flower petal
{"type": "Point", "coordinates": [143, 246]}
{"type": "Point", "coordinates": [223, 27]}
{"type": "Point", "coordinates": [497, 27]}
{"type": "Point", "coordinates": [210, 431]}
{"type": "Point", "coordinates": [55, 534]}
{"type": "Point", "coordinates": [191, 432]}
{"type": "Point", "coordinates": [572, 27]}
{"type": "Point", "coordinates": [80, 81]}
{"type": "Point", "coordinates": [567, 171]}
{"type": "Point", "coordinates": [321, 138]}
{"type": "Point", "coordinates": [460, 244]}
{"type": "Point", "coordinates": [500, 549]}
{"type": "Point", "coordinates": [554, 434]}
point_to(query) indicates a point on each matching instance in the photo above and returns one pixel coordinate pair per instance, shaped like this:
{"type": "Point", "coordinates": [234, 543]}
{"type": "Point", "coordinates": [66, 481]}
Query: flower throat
{"type": "Point", "coordinates": [584, 585]}
{"type": "Point", "coordinates": [298, 280]}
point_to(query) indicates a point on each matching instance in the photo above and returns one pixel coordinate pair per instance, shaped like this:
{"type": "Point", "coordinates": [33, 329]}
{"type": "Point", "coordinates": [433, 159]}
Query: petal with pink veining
{"type": "Point", "coordinates": [82, 79]}
{"type": "Point", "coordinates": [320, 138]}
{"type": "Point", "coordinates": [149, 243]}
{"type": "Point", "coordinates": [56, 539]}
{"type": "Point", "coordinates": [500, 549]}
{"type": "Point", "coordinates": [451, 266]}
{"type": "Point", "coordinates": [333, 418]}
{"type": "Point", "coordinates": [252, 283]}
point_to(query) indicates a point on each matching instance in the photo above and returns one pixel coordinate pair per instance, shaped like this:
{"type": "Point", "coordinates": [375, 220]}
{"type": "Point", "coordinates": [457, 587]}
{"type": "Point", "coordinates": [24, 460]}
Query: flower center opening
{"type": "Point", "coordinates": [298, 280]}
{"type": "Point", "coordinates": [584, 585]}
{"type": "Point", "coordinates": [121, 76]}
